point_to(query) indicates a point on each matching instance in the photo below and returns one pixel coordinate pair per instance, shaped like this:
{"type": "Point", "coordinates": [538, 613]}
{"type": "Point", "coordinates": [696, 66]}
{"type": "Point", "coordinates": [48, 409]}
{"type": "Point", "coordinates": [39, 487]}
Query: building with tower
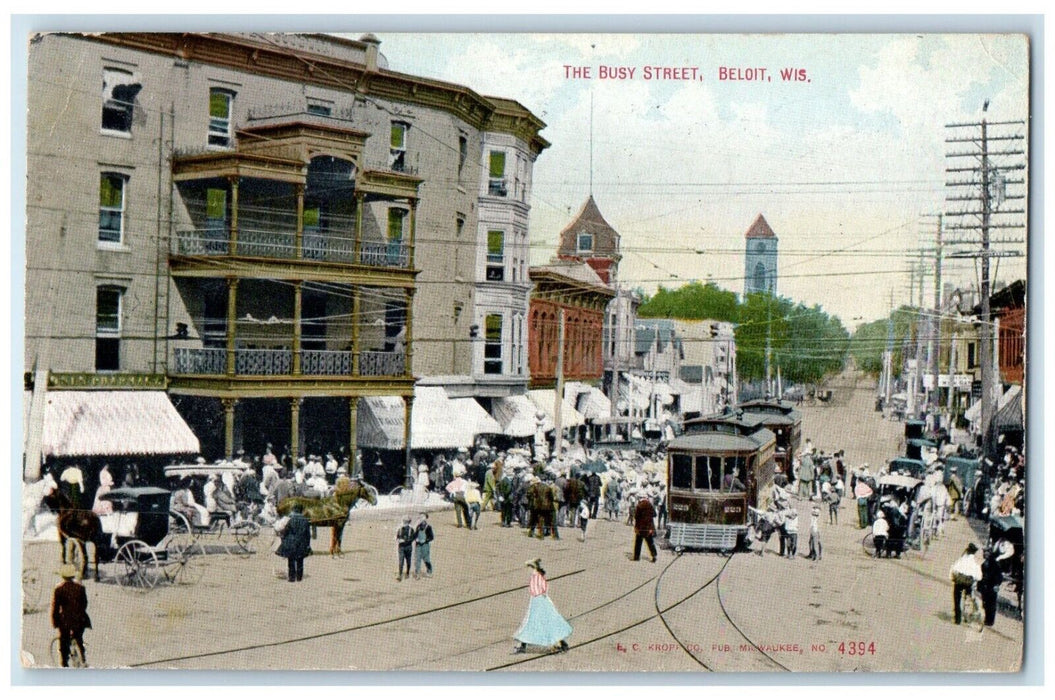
{"type": "Point", "coordinates": [760, 258]}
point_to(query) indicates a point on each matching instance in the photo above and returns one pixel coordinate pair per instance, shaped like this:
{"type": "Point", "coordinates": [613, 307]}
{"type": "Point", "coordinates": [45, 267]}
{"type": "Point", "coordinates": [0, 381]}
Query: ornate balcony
{"type": "Point", "coordinates": [279, 362]}
{"type": "Point", "coordinates": [282, 245]}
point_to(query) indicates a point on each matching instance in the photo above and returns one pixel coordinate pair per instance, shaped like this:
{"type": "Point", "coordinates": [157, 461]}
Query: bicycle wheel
{"type": "Point", "coordinates": [76, 655]}
{"type": "Point", "coordinates": [869, 545]}
{"type": "Point", "coordinates": [244, 534]}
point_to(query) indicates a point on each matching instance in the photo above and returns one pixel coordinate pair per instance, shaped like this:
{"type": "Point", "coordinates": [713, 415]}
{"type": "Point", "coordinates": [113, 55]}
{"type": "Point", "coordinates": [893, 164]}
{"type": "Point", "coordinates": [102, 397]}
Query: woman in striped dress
{"type": "Point", "coordinates": [542, 626]}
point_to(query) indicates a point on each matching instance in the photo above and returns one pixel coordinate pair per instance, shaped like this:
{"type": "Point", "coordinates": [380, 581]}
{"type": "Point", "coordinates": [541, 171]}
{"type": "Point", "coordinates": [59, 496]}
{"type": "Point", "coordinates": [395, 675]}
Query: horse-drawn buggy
{"type": "Point", "coordinates": [905, 505]}
{"type": "Point", "coordinates": [220, 521]}
{"type": "Point", "coordinates": [136, 539]}
{"type": "Point", "coordinates": [716, 471]}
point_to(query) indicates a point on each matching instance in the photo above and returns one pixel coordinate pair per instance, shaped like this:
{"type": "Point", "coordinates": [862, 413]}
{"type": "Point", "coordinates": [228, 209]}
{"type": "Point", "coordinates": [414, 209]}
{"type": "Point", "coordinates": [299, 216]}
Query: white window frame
{"type": "Point", "coordinates": [221, 127]}
{"type": "Point", "coordinates": [110, 333]}
{"type": "Point", "coordinates": [495, 261]}
{"type": "Point", "coordinates": [119, 211]}
{"type": "Point", "coordinates": [578, 242]}
{"type": "Point", "coordinates": [491, 343]}
{"type": "Point", "coordinates": [397, 154]}
{"type": "Point", "coordinates": [496, 185]}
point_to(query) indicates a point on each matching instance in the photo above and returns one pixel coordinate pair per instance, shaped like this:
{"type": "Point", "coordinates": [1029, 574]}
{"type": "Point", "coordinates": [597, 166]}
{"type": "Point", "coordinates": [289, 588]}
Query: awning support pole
{"type": "Point", "coordinates": [294, 428]}
{"type": "Point", "coordinates": [353, 432]}
{"type": "Point", "coordinates": [408, 411]}
{"type": "Point", "coordinates": [228, 426]}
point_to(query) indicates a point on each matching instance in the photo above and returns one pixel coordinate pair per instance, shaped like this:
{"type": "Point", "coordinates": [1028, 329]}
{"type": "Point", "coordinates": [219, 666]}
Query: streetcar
{"type": "Point", "coordinates": [718, 468]}
{"type": "Point", "coordinates": [784, 421]}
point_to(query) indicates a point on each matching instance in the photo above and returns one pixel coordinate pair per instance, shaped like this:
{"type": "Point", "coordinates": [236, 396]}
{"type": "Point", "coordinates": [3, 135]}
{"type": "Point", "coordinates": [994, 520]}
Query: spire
{"type": "Point", "coordinates": [760, 229]}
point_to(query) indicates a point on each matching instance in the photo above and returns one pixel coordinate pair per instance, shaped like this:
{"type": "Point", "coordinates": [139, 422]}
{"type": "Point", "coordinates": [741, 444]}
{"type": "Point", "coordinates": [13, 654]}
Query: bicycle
{"type": "Point", "coordinates": [971, 610]}
{"type": "Point", "coordinates": [76, 654]}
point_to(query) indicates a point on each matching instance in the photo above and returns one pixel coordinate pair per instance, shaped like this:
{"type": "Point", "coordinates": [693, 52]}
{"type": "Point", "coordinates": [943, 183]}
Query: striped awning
{"type": "Point", "coordinates": [516, 415]}
{"type": "Point", "coordinates": [113, 423]}
{"type": "Point", "coordinates": [594, 405]}
{"type": "Point", "coordinates": [544, 400]}
{"type": "Point", "coordinates": [436, 423]}
{"type": "Point", "coordinates": [479, 421]}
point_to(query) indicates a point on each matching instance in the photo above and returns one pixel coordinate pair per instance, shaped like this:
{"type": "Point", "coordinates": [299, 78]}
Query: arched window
{"type": "Point", "coordinates": [760, 278]}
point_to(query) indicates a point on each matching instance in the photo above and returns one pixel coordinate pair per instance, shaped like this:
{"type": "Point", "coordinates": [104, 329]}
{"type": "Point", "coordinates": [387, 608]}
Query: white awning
{"type": "Point", "coordinates": [479, 421]}
{"type": "Point", "coordinates": [436, 423]}
{"type": "Point", "coordinates": [118, 423]}
{"type": "Point", "coordinates": [691, 395]}
{"type": "Point", "coordinates": [594, 405]}
{"type": "Point", "coordinates": [974, 413]}
{"type": "Point", "coordinates": [544, 400]}
{"type": "Point", "coordinates": [516, 415]}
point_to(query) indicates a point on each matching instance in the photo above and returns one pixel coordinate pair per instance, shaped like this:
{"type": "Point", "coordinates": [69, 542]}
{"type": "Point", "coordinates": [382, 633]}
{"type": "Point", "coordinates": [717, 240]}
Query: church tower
{"type": "Point", "coordinates": [760, 256]}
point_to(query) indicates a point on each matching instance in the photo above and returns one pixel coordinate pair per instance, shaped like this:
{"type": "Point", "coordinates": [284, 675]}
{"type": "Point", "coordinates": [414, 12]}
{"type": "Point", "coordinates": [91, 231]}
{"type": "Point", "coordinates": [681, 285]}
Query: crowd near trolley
{"type": "Point", "coordinates": [746, 480]}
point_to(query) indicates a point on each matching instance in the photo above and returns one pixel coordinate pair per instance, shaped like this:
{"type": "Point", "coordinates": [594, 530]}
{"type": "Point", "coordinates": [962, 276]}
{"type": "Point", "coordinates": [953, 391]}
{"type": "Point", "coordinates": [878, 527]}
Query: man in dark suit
{"type": "Point", "coordinates": [69, 613]}
{"type": "Point", "coordinates": [644, 527]}
{"type": "Point", "coordinates": [296, 543]}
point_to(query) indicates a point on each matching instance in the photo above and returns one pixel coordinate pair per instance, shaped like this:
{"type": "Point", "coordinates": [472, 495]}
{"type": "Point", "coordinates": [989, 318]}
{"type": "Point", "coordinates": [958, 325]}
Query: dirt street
{"type": "Point", "coordinates": [695, 612]}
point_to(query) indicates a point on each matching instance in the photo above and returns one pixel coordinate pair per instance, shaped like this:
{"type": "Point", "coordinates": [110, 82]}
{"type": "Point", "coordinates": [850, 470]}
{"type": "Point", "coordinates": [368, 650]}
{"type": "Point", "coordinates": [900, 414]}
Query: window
{"type": "Point", "coordinates": [496, 178]}
{"type": "Point", "coordinates": [119, 97]}
{"type": "Point", "coordinates": [320, 108]}
{"type": "Point", "coordinates": [108, 328]}
{"type": "Point", "coordinates": [681, 471]}
{"type": "Point", "coordinates": [493, 344]}
{"type": "Point", "coordinates": [397, 154]}
{"type": "Point", "coordinates": [972, 360]}
{"type": "Point", "coordinates": [220, 103]}
{"type": "Point", "coordinates": [111, 207]}
{"type": "Point", "coordinates": [396, 217]}
{"type": "Point", "coordinates": [584, 243]}
{"type": "Point", "coordinates": [459, 225]}
{"type": "Point", "coordinates": [463, 150]}
{"type": "Point", "coordinates": [495, 256]}
{"type": "Point", "coordinates": [760, 278]}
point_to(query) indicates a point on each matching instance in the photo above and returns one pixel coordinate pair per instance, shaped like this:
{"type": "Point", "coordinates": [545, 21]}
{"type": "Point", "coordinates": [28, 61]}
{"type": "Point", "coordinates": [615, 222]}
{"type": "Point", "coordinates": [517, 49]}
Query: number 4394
{"type": "Point", "coordinates": [857, 648]}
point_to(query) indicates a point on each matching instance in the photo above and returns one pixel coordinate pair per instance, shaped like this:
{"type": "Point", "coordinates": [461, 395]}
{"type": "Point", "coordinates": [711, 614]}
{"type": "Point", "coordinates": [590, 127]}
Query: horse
{"type": "Point", "coordinates": [82, 526]}
{"type": "Point", "coordinates": [331, 511]}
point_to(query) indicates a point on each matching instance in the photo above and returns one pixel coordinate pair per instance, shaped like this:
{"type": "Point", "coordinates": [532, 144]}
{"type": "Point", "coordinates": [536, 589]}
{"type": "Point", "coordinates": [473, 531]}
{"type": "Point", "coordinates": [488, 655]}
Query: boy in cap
{"type": "Point", "coordinates": [405, 537]}
{"type": "Point", "coordinates": [815, 534]}
{"type": "Point", "coordinates": [423, 537]}
{"type": "Point", "coordinates": [791, 530]}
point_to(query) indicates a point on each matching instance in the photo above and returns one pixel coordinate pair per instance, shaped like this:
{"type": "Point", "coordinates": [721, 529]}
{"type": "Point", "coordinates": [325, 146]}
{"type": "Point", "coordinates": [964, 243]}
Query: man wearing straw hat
{"type": "Point", "coordinates": [69, 613]}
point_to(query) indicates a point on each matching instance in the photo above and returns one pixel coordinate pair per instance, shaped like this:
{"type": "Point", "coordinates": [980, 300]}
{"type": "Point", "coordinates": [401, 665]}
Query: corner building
{"type": "Point", "coordinates": [269, 228]}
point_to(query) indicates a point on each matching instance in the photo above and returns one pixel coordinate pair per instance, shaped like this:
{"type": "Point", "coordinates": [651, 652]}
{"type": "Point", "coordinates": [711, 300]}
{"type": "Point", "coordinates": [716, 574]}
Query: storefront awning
{"type": "Point", "coordinates": [479, 421]}
{"type": "Point", "coordinates": [1006, 408]}
{"type": "Point", "coordinates": [516, 415]}
{"type": "Point", "coordinates": [594, 405]}
{"type": "Point", "coordinates": [544, 400]}
{"type": "Point", "coordinates": [1010, 416]}
{"type": "Point", "coordinates": [114, 423]}
{"type": "Point", "coordinates": [437, 422]}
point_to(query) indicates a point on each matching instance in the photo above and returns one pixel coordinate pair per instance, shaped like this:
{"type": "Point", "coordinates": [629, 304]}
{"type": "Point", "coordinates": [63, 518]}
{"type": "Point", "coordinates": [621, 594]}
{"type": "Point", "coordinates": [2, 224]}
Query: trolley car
{"type": "Point", "coordinates": [784, 421]}
{"type": "Point", "coordinates": [719, 467]}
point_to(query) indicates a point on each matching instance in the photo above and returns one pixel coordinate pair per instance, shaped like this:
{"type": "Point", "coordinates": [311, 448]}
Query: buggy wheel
{"type": "Point", "coordinates": [189, 570]}
{"type": "Point", "coordinates": [869, 545]}
{"type": "Point", "coordinates": [137, 566]}
{"type": "Point", "coordinates": [182, 535]}
{"type": "Point", "coordinates": [244, 534]}
{"type": "Point", "coordinates": [76, 553]}
{"type": "Point", "coordinates": [32, 586]}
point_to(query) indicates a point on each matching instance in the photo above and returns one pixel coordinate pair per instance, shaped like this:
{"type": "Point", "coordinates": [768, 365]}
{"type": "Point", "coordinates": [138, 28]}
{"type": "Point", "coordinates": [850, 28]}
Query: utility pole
{"type": "Point", "coordinates": [769, 343]}
{"type": "Point", "coordinates": [936, 334]}
{"type": "Point", "coordinates": [982, 187]}
{"type": "Point", "coordinates": [558, 438]}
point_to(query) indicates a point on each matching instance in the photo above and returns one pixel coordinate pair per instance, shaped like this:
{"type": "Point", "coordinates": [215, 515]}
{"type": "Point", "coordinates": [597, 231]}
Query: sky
{"type": "Point", "coordinates": [844, 165]}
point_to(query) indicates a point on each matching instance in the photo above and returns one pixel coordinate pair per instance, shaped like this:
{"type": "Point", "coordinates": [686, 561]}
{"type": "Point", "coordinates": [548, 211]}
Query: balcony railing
{"type": "Point", "coordinates": [385, 254]}
{"type": "Point", "coordinates": [279, 362]}
{"type": "Point", "coordinates": [282, 245]}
